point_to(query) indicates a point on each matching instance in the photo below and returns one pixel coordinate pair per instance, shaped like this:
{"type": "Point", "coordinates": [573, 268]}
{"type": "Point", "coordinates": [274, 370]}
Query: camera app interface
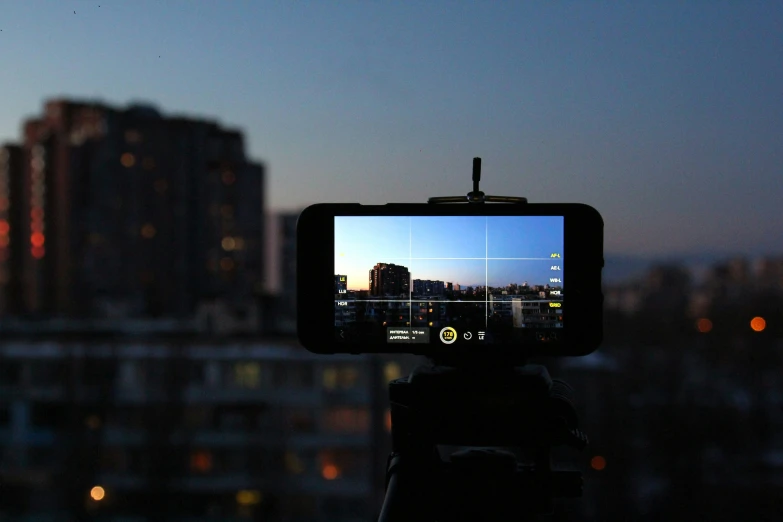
{"type": "Point", "coordinates": [448, 279]}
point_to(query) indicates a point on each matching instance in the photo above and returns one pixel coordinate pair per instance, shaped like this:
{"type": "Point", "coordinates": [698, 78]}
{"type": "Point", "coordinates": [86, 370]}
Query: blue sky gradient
{"type": "Point", "coordinates": [665, 116]}
{"type": "Point", "coordinates": [468, 250]}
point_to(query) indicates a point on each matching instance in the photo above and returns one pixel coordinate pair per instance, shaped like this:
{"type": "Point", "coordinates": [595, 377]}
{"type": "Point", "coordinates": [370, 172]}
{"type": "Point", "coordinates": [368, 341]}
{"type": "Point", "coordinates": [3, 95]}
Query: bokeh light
{"type": "Point", "coordinates": [148, 231]}
{"type": "Point", "coordinates": [37, 239]}
{"type": "Point", "coordinates": [128, 160]}
{"type": "Point", "coordinates": [598, 463]}
{"type": "Point", "coordinates": [248, 497]}
{"type": "Point", "coordinates": [228, 244]}
{"type": "Point", "coordinates": [97, 493]}
{"type": "Point", "coordinates": [387, 420]}
{"type": "Point", "coordinates": [330, 472]}
{"type": "Point", "coordinates": [758, 324]}
{"type": "Point", "coordinates": [704, 325]}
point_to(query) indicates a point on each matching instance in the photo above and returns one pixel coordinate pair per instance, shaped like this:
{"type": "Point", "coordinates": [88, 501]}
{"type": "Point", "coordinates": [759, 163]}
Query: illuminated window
{"type": "Point", "coordinates": [392, 371]}
{"type": "Point", "coordinates": [330, 471]}
{"type": "Point", "coordinates": [97, 493]}
{"type": "Point", "coordinates": [128, 160]}
{"type": "Point", "coordinates": [4, 227]}
{"type": "Point", "coordinates": [340, 377]}
{"type": "Point", "coordinates": [349, 377]}
{"type": "Point", "coordinates": [704, 325]}
{"type": "Point", "coordinates": [37, 239]}
{"type": "Point", "coordinates": [249, 497]}
{"type": "Point", "coordinates": [228, 244]}
{"type": "Point", "coordinates": [387, 420]}
{"type": "Point", "coordinates": [598, 463]}
{"type": "Point", "coordinates": [330, 378]}
{"type": "Point", "coordinates": [247, 375]}
{"type": "Point", "coordinates": [347, 463]}
{"type": "Point", "coordinates": [347, 420]}
{"type": "Point", "coordinates": [148, 231]}
{"type": "Point", "coordinates": [758, 324]}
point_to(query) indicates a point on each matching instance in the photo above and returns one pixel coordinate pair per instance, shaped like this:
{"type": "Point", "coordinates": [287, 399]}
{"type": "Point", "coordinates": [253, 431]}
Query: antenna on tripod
{"type": "Point", "coordinates": [477, 196]}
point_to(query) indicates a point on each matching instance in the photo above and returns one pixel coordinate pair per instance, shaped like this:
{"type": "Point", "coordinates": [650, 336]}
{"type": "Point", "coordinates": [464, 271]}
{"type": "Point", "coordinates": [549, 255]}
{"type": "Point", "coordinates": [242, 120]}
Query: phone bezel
{"type": "Point", "coordinates": [583, 262]}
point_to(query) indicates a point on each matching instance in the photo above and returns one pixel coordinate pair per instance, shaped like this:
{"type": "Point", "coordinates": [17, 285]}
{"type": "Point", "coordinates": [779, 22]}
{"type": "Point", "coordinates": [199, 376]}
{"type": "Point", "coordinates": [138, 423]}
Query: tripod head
{"type": "Point", "coordinates": [509, 418]}
{"type": "Point", "coordinates": [477, 196]}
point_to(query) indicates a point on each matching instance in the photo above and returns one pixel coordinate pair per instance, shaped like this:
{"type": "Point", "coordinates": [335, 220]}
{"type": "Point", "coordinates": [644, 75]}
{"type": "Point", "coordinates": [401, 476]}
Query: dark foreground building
{"type": "Point", "coordinates": [182, 428]}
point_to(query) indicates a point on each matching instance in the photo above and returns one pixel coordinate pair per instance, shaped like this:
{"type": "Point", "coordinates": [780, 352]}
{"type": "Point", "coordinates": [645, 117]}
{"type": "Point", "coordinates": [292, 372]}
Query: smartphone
{"type": "Point", "coordinates": [489, 282]}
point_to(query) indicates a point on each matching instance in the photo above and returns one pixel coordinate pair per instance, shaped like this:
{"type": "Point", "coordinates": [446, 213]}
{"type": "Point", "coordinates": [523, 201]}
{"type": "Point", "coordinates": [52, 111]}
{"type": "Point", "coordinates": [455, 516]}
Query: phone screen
{"type": "Point", "coordinates": [448, 279]}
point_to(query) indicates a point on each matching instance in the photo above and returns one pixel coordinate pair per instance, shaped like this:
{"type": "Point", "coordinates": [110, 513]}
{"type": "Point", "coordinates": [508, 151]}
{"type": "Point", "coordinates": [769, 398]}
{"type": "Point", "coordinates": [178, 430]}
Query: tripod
{"type": "Point", "coordinates": [520, 408]}
{"type": "Point", "coordinates": [497, 406]}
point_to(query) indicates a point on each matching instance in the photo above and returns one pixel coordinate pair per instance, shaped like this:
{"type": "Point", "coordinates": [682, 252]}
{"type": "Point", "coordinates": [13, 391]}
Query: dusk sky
{"type": "Point", "coordinates": [665, 116]}
{"type": "Point", "coordinates": [469, 250]}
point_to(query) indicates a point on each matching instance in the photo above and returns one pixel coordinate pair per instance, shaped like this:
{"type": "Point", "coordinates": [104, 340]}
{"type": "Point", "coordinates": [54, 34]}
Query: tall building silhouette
{"type": "Point", "coordinates": [11, 238]}
{"type": "Point", "coordinates": [126, 212]}
{"type": "Point", "coordinates": [390, 280]}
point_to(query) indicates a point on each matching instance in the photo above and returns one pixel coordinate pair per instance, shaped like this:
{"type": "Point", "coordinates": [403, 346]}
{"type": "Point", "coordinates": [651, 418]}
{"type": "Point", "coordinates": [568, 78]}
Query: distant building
{"type": "Point", "coordinates": [425, 287]}
{"type": "Point", "coordinates": [388, 279]}
{"type": "Point", "coordinates": [126, 212]}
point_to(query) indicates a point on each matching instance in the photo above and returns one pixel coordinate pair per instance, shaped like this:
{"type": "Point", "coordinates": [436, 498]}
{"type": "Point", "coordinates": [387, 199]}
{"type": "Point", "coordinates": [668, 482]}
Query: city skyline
{"type": "Point", "coordinates": [469, 249]}
{"type": "Point", "coordinates": [463, 286]}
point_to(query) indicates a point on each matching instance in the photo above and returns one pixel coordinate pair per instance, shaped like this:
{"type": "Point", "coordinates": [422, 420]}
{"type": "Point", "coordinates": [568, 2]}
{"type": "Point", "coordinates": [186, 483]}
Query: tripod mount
{"type": "Point", "coordinates": [473, 441]}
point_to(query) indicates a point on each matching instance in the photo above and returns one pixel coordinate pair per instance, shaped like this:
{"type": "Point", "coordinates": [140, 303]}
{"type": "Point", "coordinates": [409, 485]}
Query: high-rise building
{"type": "Point", "coordinates": [11, 238]}
{"type": "Point", "coordinates": [127, 212]}
{"type": "Point", "coordinates": [388, 279]}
